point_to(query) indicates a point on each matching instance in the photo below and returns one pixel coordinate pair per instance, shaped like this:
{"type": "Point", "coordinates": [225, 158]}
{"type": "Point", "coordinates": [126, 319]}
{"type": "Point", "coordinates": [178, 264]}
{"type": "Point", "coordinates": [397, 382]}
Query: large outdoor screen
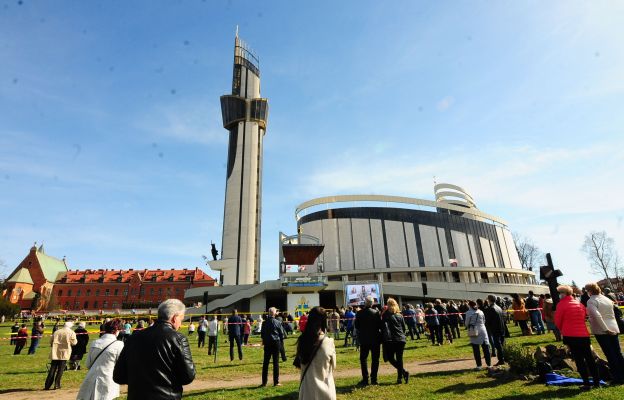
{"type": "Point", "coordinates": [355, 293]}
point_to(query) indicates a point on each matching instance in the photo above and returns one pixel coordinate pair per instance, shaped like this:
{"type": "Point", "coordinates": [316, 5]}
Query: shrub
{"type": "Point", "coordinates": [520, 359]}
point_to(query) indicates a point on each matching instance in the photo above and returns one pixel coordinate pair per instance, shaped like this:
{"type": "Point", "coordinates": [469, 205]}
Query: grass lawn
{"type": "Point", "coordinates": [24, 372]}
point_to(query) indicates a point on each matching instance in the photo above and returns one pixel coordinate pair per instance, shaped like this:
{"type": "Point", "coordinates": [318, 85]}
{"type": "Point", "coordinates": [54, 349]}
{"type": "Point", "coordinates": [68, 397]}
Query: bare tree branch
{"type": "Point", "coordinates": [602, 255]}
{"type": "Point", "coordinates": [529, 254]}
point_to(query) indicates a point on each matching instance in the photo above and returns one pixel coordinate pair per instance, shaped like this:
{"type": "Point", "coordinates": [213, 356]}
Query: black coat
{"type": "Point", "coordinates": [80, 348]}
{"type": "Point", "coordinates": [271, 331]}
{"type": "Point", "coordinates": [155, 363]}
{"type": "Point", "coordinates": [235, 324]}
{"type": "Point", "coordinates": [368, 325]}
{"type": "Point", "coordinates": [396, 327]}
{"type": "Point", "coordinates": [442, 317]}
{"type": "Point", "coordinates": [495, 320]}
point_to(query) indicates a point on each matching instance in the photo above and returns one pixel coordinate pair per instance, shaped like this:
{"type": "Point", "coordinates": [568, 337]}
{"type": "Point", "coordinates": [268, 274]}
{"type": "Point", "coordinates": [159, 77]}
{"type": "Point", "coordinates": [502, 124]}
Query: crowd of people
{"type": "Point", "coordinates": [154, 359]}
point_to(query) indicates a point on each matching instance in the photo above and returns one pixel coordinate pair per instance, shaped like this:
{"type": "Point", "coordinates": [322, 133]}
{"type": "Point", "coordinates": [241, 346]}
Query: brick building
{"type": "Point", "coordinates": [30, 284]}
{"type": "Point", "coordinates": [41, 282]}
{"type": "Point", "coordinates": [111, 289]}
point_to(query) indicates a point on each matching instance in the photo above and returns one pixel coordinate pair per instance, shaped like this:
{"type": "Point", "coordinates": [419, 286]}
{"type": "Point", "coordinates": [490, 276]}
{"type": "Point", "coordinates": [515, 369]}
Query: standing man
{"type": "Point", "coordinates": [495, 324]}
{"type": "Point", "coordinates": [334, 324]}
{"type": "Point", "coordinates": [272, 338]}
{"type": "Point", "coordinates": [235, 329]}
{"type": "Point", "coordinates": [532, 304]}
{"type": "Point", "coordinates": [61, 341]}
{"type": "Point", "coordinates": [213, 329]}
{"type": "Point", "coordinates": [368, 325]}
{"type": "Point", "coordinates": [202, 327]}
{"type": "Point", "coordinates": [349, 316]}
{"type": "Point", "coordinates": [156, 361]}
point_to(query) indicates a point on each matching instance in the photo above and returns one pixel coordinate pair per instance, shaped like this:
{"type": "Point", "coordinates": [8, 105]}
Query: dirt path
{"type": "Point", "coordinates": [384, 370]}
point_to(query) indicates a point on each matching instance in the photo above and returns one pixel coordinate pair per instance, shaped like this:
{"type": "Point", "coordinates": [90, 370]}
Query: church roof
{"type": "Point", "coordinates": [21, 276]}
{"type": "Point", "coordinates": [50, 266]}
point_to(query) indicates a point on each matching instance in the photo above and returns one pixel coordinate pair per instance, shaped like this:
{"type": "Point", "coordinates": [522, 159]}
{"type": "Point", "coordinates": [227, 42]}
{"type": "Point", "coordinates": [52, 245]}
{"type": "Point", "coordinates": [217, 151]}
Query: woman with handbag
{"type": "Point", "coordinates": [520, 314]}
{"type": "Point", "coordinates": [475, 322]}
{"type": "Point", "coordinates": [393, 331]}
{"type": "Point", "coordinates": [103, 354]}
{"type": "Point", "coordinates": [316, 356]}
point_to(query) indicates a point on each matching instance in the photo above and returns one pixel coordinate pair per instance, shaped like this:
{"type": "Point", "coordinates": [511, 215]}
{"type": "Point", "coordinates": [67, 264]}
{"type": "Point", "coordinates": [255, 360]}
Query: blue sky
{"type": "Point", "coordinates": [112, 151]}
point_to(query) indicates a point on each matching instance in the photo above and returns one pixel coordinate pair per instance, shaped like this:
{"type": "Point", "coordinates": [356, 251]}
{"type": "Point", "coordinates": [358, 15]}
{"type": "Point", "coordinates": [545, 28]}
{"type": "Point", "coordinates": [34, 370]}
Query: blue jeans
{"type": "Point", "coordinates": [536, 321]}
{"type": "Point", "coordinates": [34, 343]}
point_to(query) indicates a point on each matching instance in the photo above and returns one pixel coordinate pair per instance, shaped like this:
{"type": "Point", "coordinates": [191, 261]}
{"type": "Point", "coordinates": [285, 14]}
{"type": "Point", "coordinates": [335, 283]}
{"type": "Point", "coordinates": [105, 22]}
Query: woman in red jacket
{"type": "Point", "coordinates": [570, 319]}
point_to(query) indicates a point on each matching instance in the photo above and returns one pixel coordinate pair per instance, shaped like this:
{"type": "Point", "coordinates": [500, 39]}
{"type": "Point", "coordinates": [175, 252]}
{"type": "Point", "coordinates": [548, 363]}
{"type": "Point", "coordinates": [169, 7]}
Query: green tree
{"type": "Point", "coordinates": [7, 308]}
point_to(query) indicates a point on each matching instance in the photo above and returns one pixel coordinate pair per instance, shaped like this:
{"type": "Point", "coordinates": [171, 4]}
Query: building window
{"type": "Point", "coordinates": [107, 292]}
{"type": "Point", "coordinates": [116, 292]}
{"type": "Point", "coordinates": [423, 276]}
{"type": "Point", "coordinates": [151, 291]}
{"type": "Point", "coordinates": [60, 293]}
{"type": "Point", "coordinates": [95, 304]}
{"type": "Point", "coordinates": [160, 291]}
{"type": "Point", "coordinates": [115, 304]}
{"type": "Point", "coordinates": [97, 292]}
{"type": "Point", "coordinates": [125, 292]}
{"type": "Point", "coordinates": [67, 305]}
{"type": "Point", "coordinates": [78, 292]}
{"type": "Point", "coordinates": [88, 292]}
{"type": "Point", "coordinates": [76, 305]}
{"type": "Point", "coordinates": [69, 292]}
{"type": "Point", "coordinates": [105, 304]}
{"type": "Point", "coordinates": [86, 305]}
{"type": "Point", "coordinates": [484, 277]}
{"type": "Point", "coordinates": [455, 277]}
{"type": "Point", "coordinates": [168, 291]}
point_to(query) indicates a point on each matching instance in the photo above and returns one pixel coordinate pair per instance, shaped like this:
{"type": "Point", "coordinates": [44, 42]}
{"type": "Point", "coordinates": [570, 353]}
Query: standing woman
{"type": "Point", "coordinates": [80, 348]}
{"type": "Point", "coordinates": [570, 319]}
{"type": "Point", "coordinates": [394, 338]}
{"type": "Point", "coordinates": [318, 358]}
{"type": "Point", "coordinates": [36, 334]}
{"type": "Point", "coordinates": [605, 328]}
{"type": "Point", "coordinates": [103, 354]}
{"type": "Point", "coordinates": [21, 339]}
{"type": "Point", "coordinates": [520, 314]}
{"type": "Point", "coordinates": [475, 322]}
{"type": "Point", "coordinates": [433, 324]}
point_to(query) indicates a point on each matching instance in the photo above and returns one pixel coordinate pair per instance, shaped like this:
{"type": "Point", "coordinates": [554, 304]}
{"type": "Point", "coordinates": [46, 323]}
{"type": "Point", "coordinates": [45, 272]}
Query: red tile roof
{"type": "Point", "coordinates": [125, 275]}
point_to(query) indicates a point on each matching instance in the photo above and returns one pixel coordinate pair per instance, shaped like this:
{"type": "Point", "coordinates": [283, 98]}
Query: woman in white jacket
{"type": "Point", "coordinates": [605, 328]}
{"type": "Point", "coordinates": [98, 384]}
{"type": "Point", "coordinates": [317, 354]}
{"type": "Point", "coordinates": [475, 322]}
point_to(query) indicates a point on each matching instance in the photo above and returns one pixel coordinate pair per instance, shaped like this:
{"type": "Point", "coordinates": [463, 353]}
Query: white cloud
{"type": "Point", "coordinates": [445, 103]}
{"type": "Point", "coordinates": [561, 180]}
{"type": "Point", "coordinates": [188, 122]}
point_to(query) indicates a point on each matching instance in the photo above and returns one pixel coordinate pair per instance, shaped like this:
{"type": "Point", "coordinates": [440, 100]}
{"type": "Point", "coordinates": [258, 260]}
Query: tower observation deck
{"type": "Point", "coordinates": [245, 117]}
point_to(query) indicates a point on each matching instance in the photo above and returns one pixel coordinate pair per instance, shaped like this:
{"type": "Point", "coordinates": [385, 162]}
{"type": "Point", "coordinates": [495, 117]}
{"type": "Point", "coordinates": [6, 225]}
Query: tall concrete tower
{"type": "Point", "coordinates": [244, 116]}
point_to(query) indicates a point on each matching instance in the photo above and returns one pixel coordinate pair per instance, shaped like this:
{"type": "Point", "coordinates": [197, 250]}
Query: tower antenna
{"type": "Point", "coordinates": [237, 31]}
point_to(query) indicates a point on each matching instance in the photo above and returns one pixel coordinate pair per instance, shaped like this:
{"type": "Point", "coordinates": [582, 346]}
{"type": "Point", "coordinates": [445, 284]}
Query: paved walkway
{"type": "Point", "coordinates": [384, 370]}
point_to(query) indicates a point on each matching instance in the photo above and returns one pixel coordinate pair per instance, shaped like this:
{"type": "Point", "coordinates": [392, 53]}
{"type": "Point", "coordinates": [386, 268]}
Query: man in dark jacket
{"type": "Point", "coordinates": [235, 330]}
{"type": "Point", "coordinates": [532, 304]}
{"type": "Point", "coordinates": [495, 325]}
{"type": "Point", "coordinates": [368, 325]}
{"type": "Point", "coordinates": [156, 361]}
{"type": "Point", "coordinates": [272, 335]}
